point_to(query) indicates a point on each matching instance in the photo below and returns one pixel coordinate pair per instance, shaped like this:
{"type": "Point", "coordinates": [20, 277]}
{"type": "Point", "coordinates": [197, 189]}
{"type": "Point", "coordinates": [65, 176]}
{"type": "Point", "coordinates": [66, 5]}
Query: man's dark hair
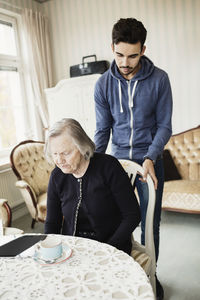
{"type": "Point", "coordinates": [129, 31]}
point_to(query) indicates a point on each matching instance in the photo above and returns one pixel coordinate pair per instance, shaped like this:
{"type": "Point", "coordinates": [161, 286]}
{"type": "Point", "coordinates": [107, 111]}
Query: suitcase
{"type": "Point", "coordinates": [87, 68]}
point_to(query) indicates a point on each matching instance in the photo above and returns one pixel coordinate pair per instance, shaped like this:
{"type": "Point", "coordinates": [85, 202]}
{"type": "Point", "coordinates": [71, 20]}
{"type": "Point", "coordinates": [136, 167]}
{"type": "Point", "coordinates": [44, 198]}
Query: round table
{"type": "Point", "coordinates": [94, 271]}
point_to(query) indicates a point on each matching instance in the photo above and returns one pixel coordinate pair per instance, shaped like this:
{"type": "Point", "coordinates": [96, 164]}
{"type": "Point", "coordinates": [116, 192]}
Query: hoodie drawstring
{"type": "Point", "coordinates": [120, 96]}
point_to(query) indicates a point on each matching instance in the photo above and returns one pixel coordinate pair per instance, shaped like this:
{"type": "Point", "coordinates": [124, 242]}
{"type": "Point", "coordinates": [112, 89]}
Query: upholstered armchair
{"type": "Point", "coordinates": [182, 172]}
{"type": "Point", "coordinates": [5, 213]}
{"type": "Point", "coordinates": [6, 217]}
{"type": "Point", "coordinates": [33, 171]}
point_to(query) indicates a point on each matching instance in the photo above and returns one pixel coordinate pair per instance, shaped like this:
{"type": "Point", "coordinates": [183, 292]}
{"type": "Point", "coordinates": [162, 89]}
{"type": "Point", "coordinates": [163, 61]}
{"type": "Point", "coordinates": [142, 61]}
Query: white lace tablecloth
{"type": "Point", "coordinates": [94, 271]}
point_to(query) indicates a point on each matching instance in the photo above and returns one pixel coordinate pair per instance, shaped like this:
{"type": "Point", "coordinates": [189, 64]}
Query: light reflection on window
{"type": "Point", "coordinates": [7, 39]}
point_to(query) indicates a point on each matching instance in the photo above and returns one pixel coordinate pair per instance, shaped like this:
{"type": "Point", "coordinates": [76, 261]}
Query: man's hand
{"type": "Point", "coordinates": [149, 169]}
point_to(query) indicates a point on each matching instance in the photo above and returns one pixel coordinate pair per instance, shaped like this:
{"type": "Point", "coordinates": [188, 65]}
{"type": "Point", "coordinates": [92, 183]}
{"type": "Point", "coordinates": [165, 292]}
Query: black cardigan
{"type": "Point", "coordinates": [108, 199]}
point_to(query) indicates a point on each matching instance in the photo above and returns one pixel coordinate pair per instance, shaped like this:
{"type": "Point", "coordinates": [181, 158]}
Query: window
{"type": "Point", "coordinates": [13, 111]}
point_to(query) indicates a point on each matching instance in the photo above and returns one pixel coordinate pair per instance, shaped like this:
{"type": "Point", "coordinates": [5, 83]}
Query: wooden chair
{"type": "Point", "coordinates": [33, 172]}
{"type": "Point", "coordinates": [144, 255]}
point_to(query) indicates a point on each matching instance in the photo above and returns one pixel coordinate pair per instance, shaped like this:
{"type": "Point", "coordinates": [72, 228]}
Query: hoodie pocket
{"type": "Point", "coordinates": [143, 138]}
{"type": "Point", "coordinates": [121, 130]}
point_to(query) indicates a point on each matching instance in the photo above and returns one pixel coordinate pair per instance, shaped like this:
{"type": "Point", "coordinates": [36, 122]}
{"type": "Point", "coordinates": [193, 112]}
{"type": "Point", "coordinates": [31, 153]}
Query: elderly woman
{"type": "Point", "coordinates": [89, 194]}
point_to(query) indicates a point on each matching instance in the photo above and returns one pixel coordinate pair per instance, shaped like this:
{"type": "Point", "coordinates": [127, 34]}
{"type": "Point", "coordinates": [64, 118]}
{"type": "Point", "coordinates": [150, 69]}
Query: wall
{"type": "Point", "coordinates": [83, 27]}
{"type": "Point", "coordinates": [17, 5]}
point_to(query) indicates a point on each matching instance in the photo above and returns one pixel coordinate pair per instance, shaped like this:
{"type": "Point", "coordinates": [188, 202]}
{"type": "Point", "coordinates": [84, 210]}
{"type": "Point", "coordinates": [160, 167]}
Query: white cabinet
{"type": "Point", "coordinates": [73, 98]}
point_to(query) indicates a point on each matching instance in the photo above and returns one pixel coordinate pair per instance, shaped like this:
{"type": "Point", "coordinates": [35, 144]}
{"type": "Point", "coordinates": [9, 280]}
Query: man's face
{"type": "Point", "coordinates": [127, 57]}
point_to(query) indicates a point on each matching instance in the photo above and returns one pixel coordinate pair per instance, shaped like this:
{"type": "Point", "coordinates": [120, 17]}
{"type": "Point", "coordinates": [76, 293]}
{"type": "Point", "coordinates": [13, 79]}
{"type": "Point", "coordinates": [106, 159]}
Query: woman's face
{"type": "Point", "coordinates": [65, 154]}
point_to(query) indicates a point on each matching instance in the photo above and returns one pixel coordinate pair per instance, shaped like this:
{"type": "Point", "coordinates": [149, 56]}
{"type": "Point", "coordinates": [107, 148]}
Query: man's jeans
{"type": "Point", "coordinates": [142, 189]}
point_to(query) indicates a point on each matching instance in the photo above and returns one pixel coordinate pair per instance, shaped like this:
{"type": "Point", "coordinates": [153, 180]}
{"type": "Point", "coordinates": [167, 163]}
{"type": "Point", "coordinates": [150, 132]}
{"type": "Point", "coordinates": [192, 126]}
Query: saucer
{"type": "Point", "coordinates": [67, 252]}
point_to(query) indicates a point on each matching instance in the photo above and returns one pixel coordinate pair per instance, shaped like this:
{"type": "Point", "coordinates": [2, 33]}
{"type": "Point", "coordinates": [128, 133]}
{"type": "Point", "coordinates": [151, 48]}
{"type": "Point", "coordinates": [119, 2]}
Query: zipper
{"type": "Point", "coordinates": [78, 205]}
{"type": "Point", "coordinates": [131, 105]}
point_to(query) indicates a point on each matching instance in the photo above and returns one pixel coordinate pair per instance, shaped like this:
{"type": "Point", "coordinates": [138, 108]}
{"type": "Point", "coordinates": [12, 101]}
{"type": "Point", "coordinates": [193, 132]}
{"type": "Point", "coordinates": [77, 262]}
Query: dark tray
{"type": "Point", "coordinates": [20, 244]}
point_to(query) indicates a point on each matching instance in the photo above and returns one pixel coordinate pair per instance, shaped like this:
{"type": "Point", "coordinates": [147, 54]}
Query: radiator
{"type": "Point", "coordinates": [8, 189]}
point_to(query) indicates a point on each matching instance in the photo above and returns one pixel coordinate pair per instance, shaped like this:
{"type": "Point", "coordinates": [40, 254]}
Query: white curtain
{"type": "Point", "coordinates": [36, 33]}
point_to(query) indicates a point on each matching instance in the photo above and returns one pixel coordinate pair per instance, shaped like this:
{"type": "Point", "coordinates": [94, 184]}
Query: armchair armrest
{"type": "Point", "coordinates": [2, 201]}
{"type": "Point", "coordinates": [5, 212]}
{"type": "Point", "coordinates": [22, 184]}
{"type": "Point", "coordinates": [29, 196]}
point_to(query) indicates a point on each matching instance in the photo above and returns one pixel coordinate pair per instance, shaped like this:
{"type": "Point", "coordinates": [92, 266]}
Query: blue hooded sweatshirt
{"type": "Point", "coordinates": [136, 112]}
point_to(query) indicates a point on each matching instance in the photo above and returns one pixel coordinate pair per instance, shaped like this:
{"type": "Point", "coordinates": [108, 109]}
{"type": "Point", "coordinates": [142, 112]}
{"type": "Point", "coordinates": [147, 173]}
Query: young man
{"type": "Point", "coordinates": [133, 101]}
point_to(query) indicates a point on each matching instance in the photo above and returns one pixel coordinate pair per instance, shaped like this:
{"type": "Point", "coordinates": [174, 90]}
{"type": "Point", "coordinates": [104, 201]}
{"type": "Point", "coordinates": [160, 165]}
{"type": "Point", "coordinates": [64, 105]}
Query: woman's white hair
{"type": "Point", "coordinates": [73, 128]}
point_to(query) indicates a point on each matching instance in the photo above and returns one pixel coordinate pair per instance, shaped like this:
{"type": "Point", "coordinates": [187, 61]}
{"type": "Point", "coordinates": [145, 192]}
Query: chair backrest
{"type": "Point", "coordinates": [184, 149]}
{"type": "Point", "coordinates": [28, 163]}
{"type": "Point", "coordinates": [132, 170]}
{"type": "Point", "coordinates": [5, 213]}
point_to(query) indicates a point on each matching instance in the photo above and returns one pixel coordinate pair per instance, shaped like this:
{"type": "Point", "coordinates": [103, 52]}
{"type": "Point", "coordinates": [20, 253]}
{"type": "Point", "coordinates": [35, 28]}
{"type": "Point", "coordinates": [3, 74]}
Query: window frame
{"type": "Point", "coordinates": [18, 63]}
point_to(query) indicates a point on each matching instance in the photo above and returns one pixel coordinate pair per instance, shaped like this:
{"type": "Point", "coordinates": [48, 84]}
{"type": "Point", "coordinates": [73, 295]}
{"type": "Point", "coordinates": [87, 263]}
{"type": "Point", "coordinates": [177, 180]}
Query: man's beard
{"type": "Point", "coordinates": [131, 70]}
{"type": "Point", "coordinates": [126, 73]}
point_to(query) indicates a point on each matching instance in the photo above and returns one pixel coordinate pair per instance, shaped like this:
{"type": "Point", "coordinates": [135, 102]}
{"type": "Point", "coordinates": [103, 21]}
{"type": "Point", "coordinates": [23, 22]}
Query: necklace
{"type": "Point", "coordinates": [79, 180]}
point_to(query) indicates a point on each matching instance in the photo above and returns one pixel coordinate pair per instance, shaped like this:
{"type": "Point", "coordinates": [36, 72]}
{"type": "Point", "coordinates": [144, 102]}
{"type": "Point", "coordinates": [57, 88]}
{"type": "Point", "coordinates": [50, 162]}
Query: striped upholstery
{"type": "Point", "coordinates": [142, 259]}
{"type": "Point", "coordinates": [139, 255]}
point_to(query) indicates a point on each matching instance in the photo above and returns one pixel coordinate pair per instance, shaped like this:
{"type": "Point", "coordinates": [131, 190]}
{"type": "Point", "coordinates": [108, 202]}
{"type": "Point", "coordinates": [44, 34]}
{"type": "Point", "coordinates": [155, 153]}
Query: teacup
{"type": "Point", "coordinates": [50, 248]}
